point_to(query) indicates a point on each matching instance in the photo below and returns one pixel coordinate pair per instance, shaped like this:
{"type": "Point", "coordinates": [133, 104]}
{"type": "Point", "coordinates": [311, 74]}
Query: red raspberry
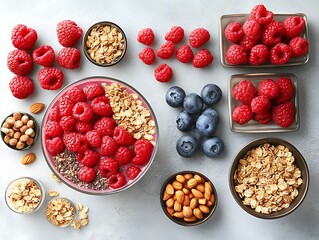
{"type": "Point", "coordinates": [101, 106]}
{"type": "Point", "coordinates": [108, 166]}
{"type": "Point", "coordinates": [23, 37]}
{"type": "Point", "coordinates": [54, 114]}
{"type": "Point", "coordinates": [69, 58]}
{"type": "Point", "coordinates": [258, 55]}
{"type": "Point", "coordinates": [21, 87]}
{"type": "Point", "coordinates": [244, 92]}
{"type": "Point", "coordinates": [118, 180]}
{"type": "Point", "coordinates": [83, 127]}
{"type": "Point", "coordinates": [202, 59]}
{"type": "Point", "coordinates": [50, 78]}
{"type": "Point", "coordinates": [147, 55]}
{"type": "Point", "coordinates": [175, 35]}
{"type": "Point", "coordinates": [283, 114]}
{"type": "Point", "coordinates": [68, 33]}
{"type": "Point", "coordinates": [19, 62]}
{"type": "Point", "coordinates": [123, 155]}
{"type": "Point", "coordinates": [108, 146]}
{"type": "Point", "coordinates": [65, 106]}
{"type": "Point", "coordinates": [299, 46]}
{"type": "Point", "coordinates": [146, 36]}
{"type": "Point", "coordinates": [76, 94]}
{"type": "Point", "coordinates": [44, 55]}
{"type": "Point", "coordinates": [143, 150]}
{"type": "Point", "coordinates": [236, 55]}
{"type": "Point", "coordinates": [163, 73]}
{"type": "Point", "coordinates": [263, 117]}
{"type": "Point", "coordinates": [247, 43]}
{"type": "Point", "coordinates": [286, 90]}
{"type": "Point", "coordinates": [105, 126]}
{"type": "Point", "coordinates": [93, 90]}
{"type": "Point", "coordinates": [184, 54]}
{"type": "Point", "coordinates": [268, 88]}
{"type": "Point", "coordinates": [123, 137]}
{"type": "Point", "coordinates": [53, 129]}
{"type": "Point", "coordinates": [90, 158]}
{"type": "Point", "coordinates": [87, 174]}
{"type": "Point", "coordinates": [294, 25]}
{"type": "Point", "coordinates": [252, 28]}
{"type": "Point", "coordinates": [67, 123]}
{"type": "Point", "coordinates": [272, 33]}
{"type": "Point", "coordinates": [261, 14]}
{"type": "Point", "coordinates": [82, 111]}
{"type": "Point", "coordinates": [54, 145]}
{"type": "Point", "coordinates": [198, 37]}
{"type": "Point", "coordinates": [75, 142]}
{"type": "Point", "coordinates": [132, 172]}
{"type": "Point", "coordinates": [234, 32]}
{"type": "Point", "coordinates": [280, 54]}
{"type": "Point", "coordinates": [93, 138]}
{"type": "Point", "coordinates": [242, 114]}
{"type": "Point", "coordinates": [260, 104]}
{"type": "Point", "coordinates": [166, 51]}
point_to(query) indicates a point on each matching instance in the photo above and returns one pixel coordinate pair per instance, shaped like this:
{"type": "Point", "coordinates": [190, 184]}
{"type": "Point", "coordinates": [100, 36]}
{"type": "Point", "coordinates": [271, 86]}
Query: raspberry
{"type": "Point", "coordinates": [260, 104]}
{"type": "Point", "coordinates": [54, 145]}
{"type": "Point", "coordinates": [87, 174]}
{"type": "Point", "coordinates": [283, 114]}
{"type": "Point", "coordinates": [198, 37]}
{"type": "Point", "coordinates": [65, 106]}
{"type": "Point", "coordinates": [93, 138]}
{"type": "Point", "coordinates": [82, 111]}
{"type": "Point", "coordinates": [175, 35]}
{"type": "Point", "coordinates": [44, 55]}
{"type": "Point", "coordinates": [105, 126]}
{"type": "Point", "coordinates": [19, 62]}
{"type": "Point", "coordinates": [166, 51]}
{"type": "Point", "coordinates": [75, 142]}
{"type": "Point", "coordinates": [272, 33]}
{"type": "Point", "coordinates": [90, 158]}
{"type": "Point", "coordinates": [247, 43]}
{"type": "Point", "coordinates": [294, 25]}
{"type": "Point", "coordinates": [263, 117]}
{"type": "Point", "coordinates": [68, 33]}
{"type": "Point", "coordinates": [286, 90]}
{"type": "Point", "coordinates": [202, 59]}
{"type": "Point", "coordinates": [236, 55]}
{"type": "Point", "coordinates": [76, 94]}
{"type": "Point", "coordinates": [108, 146]}
{"type": "Point", "coordinates": [261, 14]}
{"type": "Point", "coordinates": [54, 114]}
{"type": "Point", "coordinates": [143, 150]}
{"type": "Point", "coordinates": [258, 55]}
{"type": "Point", "coordinates": [268, 88]}
{"type": "Point", "coordinates": [132, 172]}
{"type": "Point", "coordinates": [52, 129]}
{"type": "Point", "coordinates": [83, 127]}
{"type": "Point", "coordinates": [244, 92]}
{"type": "Point", "coordinates": [147, 55]}
{"type": "Point", "coordinates": [23, 37]}
{"type": "Point", "coordinates": [118, 180]}
{"type": "Point", "coordinates": [93, 90]}
{"type": "Point", "coordinates": [21, 87]}
{"type": "Point", "coordinates": [280, 54]}
{"type": "Point", "coordinates": [108, 166]}
{"type": "Point", "coordinates": [299, 46]}
{"type": "Point", "coordinates": [252, 28]}
{"type": "Point", "coordinates": [101, 106]}
{"type": "Point", "coordinates": [50, 78]}
{"type": "Point", "coordinates": [234, 32]}
{"type": "Point", "coordinates": [242, 114]}
{"type": "Point", "coordinates": [67, 123]}
{"type": "Point", "coordinates": [163, 73]}
{"type": "Point", "coordinates": [69, 58]}
{"type": "Point", "coordinates": [123, 155]}
{"type": "Point", "coordinates": [184, 54]}
{"type": "Point", "coordinates": [123, 137]}
{"type": "Point", "coordinates": [146, 36]}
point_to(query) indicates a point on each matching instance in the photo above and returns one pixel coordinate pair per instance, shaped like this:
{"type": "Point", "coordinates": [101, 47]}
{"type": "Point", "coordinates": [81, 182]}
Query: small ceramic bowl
{"type": "Point", "coordinates": [60, 212]}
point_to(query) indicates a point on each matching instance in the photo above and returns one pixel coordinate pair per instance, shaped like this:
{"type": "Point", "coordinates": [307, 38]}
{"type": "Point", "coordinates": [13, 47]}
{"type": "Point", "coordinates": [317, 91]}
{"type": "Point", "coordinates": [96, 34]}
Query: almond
{"type": "Point", "coordinates": [190, 219]}
{"type": "Point", "coordinates": [170, 203]}
{"type": "Point", "coordinates": [37, 108]}
{"type": "Point", "coordinates": [180, 178]}
{"type": "Point", "coordinates": [177, 185]}
{"type": "Point", "coordinates": [198, 213]}
{"type": "Point", "coordinates": [186, 191]}
{"type": "Point", "coordinates": [197, 194]}
{"type": "Point", "coordinates": [199, 178]}
{"type": "Point", "coordinates": [191, 183]}
{"type": "Point", "coordinates": [177, 206]}
{"type": "Point", "coordinates": [204, 208]}
{"type": "Point", "coordinates": [200, 187]}
{"type": "Point", "coordinates": [188, 176]}
{"type": "Point", "coordinates": [166, 196]}
{"type": "Point", "coordinates": [178, 214]}
{"type": "Point", "coordinates": [202, 201]}
{"type": "Point", "coordinates": [187, 211]}
{"type": "Point", "coordinates": [208, 187]}
{"type": "Point", "coordinates": [170, 211]}
{"type": "Point", "coordinates": [186, 200]}
{"type": "Point", "coordinates": [169, 189]}
{"type": "Point", "coordinates": [179, 196]}
{"type": "Point", "coordinates": [28, 158]}
{"type": "Point", "coordinates": [193, 203]}
{"type": "Point", "coordinates": [207, 195]}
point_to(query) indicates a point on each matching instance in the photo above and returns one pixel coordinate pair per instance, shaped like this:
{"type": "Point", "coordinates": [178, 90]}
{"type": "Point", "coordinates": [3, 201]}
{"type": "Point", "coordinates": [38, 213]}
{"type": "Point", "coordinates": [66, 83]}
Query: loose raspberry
{"type": "Point", "coordinates": [268, 88]}
{"type": "Point", "coordinates": [75, 142]}
{"type": "Point", "coordinates": [67, 123]}
{"type": "Point", "coordinates": [52, 129]}
{"type": "Point", "coordinates": [76, 94]}
{"type": "Point", "coordinates": [294, 25]}
{"type": "Point", "coordinates": [132, 172]}
{"type": "Point", "coordinates": [87, 174]}
{"type": "Point", "coordinates": [108, 146]}
{"type": "Point", "coordinates": [283, 114]}
{"type": "Point", "coordinates": [175, 35]}
{"type": "Point", "coordinates": [69, 58]}
{"type": "Point", "coordinates": [82, 111]}
{"type": "Point", "coordinates": [280, 54]}
{"type": "Point", "coordinates": [117, 181]}
{"type": "Point", "coordinates": [184, 54]}
{"type": "Point", "coordinates": [108, 166]}
{"type": "Point", "coordinates": [242, 114]}
{"type": "Point", "coordinates": [202, 59]}
{"type": "Point", "coordinates": [163, 73]}
{"type": "Point", "coordinates": [23, 37]}
{"type": "Point", "coordinates": [166, 51]}
{"type": "Point", "coordinates": [259, 54]}
{"type": "Point", "coordinates": [236, 55]}
{"type": "Point", "coordinates": [83, 127]}
{"type": "Point", "coordinates": [54, 145]}
{"type": "Point", "coordinates": [272, 33]}
{"type": "Point", "coordinates": [260, 104]}
{"type": "Point", "coordinates": [143, 150]}
{"type": "Point", "coordinates": [234, 32]}
{"type": "Point", "coordinates": [101, 106]}
{"type": "Point", "coordinates": [105, 126]}
{"type": "Point", "coordinates": [90, 158]}
{"type": "Point", "coordinates": [19, 62]}
{"type": "Point", "coordinates": [44, 55]}
{"type": "Point", "coordinates": [21, 87]}
{"type": "Point", "coordinates": [299, 46]}
{"type": "Point", "coordinates": [54, 114]}
{"type": "Point", "coordinates": [261, 14]}
{"type": "Point", "coordinates": [94, 138]}
{"type": "Point", "coordinates": [50, 78]}
{"type": "Point", "coordinates": [286, 90]}
{"type": "Point", "coordinates": [244, 92]}
{"type": "Point", "coordinates": [123, 137]}
{"type": "Point", "coordinates": [198, 37]}
{"type": "Point", "coordinates": [247, 43]}
{"type": "Point", "coordinates": [65, 106]}
{"type": "Point", "coordinates": [147, 55]}
{"type": "Point", "coordinates": [146, 36]}
{"type": "Point", "coordinates": [93, 90]}
{"type": "Point", "coordinates": [252, 28]}
{"type": "Point", "coordinates": [68, 33]}
{"type": "Point", "coordinates": [263, 117]}
{"type": "Point", "coordinates": [123, 155]}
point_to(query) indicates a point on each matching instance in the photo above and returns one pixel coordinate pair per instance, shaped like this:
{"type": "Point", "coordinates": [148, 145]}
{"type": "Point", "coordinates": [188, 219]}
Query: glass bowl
{"type": "Point", "coordinates": [60, 212]}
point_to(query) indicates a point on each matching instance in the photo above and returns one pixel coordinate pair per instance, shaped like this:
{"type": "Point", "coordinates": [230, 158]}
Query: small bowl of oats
{"type": "Point", "coordinates": [269, 178]}
{"type": "Point", "coordinates": [105, 44]}
{"type": "Point", "coordinates": [60, 212]}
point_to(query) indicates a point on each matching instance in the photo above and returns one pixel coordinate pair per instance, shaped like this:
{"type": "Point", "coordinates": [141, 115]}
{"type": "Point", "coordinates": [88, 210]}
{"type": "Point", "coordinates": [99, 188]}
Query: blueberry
{"type": "Point", "coordinates": [187, 145]}
{"type": "Point", "coordinates": [212, 147]}
{"type": "Point", "coordinates": [184, 121]}
{"type": "Point", "coordinates": [175, 97]}
{"type": "Point", "coordinates": [211, 94]}
{"type": "Point", "coordinates": [193, 103]}
{"type": "Point", "coordinates": [207, 123]}
{"type": "Point", "coordinates": [210, 111]}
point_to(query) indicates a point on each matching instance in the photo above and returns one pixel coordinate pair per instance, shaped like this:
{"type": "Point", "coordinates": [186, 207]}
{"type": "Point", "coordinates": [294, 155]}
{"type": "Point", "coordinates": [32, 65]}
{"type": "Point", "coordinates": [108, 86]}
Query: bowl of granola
{"type": "Point", "coordinates": [269, 178]}
{"type": "Point", "coordinates": [99, 135]}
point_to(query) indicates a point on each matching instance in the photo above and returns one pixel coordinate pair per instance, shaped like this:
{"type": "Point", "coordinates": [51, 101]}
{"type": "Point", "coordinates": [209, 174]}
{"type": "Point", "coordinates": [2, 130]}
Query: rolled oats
{"type": "Point", "coordinates": [60, 212]}
{"type": "Point", "coordinates": [53, 193]}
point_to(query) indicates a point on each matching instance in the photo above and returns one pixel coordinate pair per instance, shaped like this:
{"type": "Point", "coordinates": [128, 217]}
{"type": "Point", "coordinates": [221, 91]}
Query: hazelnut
{"type": "Point", "coordinates": [20, 145]}
{"type": "Point", "coordinates": [10, 120]}
{"type": "Point", "coordinates": [17, 116]}
{"type": "Point", "coordinates": [6, 139]}
{"type": "Point", "coordinates": [6, 125]}
{"type": "Point", "coordinates": [24, 138]}
{"type": "Point", "coordinates": [25, 119]}
{"type": "Point", "coordinates": [23, 129]}
{"type": "Point", "coordinates": [33, 134]}
{"type": "Point", "coordinates": [13, 142]}
{"type": "Point", "coordinates": [5, 130]}
{"type": "Point", "coordinates": [29, 132]}
{"type": "Point", "coordinates": [15, 129]}
{"type": "Point", "coordinates": [18, 124]}
{"type": "Point", "coordinates": [30, 141]}
{"type": "Point", "coordinates": [30, 124]}
{"type": "Point", "coordinates": [11, 133]}
{"type": "Point", "coordinates": [17, 135]}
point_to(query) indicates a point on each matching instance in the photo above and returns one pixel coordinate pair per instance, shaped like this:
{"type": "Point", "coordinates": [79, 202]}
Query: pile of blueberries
{"type": "Point", "coordinates": [198, 120]}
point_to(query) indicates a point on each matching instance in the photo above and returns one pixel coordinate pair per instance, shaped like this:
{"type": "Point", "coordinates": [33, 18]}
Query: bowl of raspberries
{"type": "Point", "coordinates": [99, 135]}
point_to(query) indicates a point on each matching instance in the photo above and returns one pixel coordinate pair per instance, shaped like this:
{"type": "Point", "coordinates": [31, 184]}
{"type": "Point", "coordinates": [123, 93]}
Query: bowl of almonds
{"type": "Point", "coordinates": [188, 198]}
{"type": "Point", "coordinates": [269, 178]}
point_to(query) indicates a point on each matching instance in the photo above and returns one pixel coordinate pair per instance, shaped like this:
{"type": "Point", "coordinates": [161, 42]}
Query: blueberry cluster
{"type": "Point", "coordinates": [198, 120]}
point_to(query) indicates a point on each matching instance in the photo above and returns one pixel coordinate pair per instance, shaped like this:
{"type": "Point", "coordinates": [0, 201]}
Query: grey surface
{"type": "Point", "coordinates": [136, 213]}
